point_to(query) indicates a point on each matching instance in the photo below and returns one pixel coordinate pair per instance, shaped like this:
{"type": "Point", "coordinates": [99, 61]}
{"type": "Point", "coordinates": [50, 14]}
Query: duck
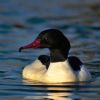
{"type": "Point", "coordinates": [58, 67]}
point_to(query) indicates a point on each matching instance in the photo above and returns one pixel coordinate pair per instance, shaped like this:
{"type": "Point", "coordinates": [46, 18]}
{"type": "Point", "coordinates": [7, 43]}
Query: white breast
{"type": "Point", "coordinates": [60, 72]}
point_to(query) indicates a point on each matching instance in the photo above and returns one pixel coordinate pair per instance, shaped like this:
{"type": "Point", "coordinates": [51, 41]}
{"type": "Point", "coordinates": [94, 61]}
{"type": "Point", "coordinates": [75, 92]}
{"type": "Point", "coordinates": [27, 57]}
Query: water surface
{"type": "Point", "coordinates": [22, 20]}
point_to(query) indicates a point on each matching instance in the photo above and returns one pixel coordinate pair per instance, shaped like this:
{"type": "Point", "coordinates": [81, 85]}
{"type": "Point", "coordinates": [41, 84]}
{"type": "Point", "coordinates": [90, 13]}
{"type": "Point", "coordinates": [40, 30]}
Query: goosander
{"type": "Point", "coordinates": [58, 67]}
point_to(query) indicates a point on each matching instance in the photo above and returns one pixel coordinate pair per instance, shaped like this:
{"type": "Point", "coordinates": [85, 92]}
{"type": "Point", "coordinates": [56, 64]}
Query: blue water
{"type": "Point", "coordinates": [20, 23]}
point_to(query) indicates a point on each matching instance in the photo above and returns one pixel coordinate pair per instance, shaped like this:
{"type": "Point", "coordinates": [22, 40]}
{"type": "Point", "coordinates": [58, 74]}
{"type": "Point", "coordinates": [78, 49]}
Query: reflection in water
{"type": "Point", "coordinates": [64, 91]}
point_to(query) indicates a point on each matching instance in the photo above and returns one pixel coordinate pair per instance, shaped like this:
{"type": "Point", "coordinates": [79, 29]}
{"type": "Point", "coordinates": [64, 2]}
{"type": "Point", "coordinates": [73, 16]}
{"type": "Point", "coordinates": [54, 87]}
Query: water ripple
{"type": "Point", "coordinates": [21, 21]}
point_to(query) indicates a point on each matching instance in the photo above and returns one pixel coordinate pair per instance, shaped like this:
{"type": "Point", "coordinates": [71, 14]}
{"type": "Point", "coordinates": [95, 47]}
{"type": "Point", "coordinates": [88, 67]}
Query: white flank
{"type": "Point", "coordinates": [34, 71]}
{"type": "Point", "coordinates": [83, 74]}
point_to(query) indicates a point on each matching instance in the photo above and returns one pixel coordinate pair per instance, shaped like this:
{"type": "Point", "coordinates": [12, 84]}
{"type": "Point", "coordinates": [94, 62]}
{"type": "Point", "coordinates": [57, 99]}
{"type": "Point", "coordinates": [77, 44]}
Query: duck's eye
{"type": "Point", "coordinates": [46, 38]}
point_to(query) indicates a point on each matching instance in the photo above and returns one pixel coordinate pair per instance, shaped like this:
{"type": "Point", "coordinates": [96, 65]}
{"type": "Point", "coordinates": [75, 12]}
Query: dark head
{"type": "Point", "coordinates": [51, 38]}
{"type": "Point", "coordinates": [55, 41]}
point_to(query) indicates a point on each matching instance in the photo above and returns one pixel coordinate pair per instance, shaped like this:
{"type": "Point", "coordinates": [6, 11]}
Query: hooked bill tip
{"type": "Point", "coordinates": [20, 49]}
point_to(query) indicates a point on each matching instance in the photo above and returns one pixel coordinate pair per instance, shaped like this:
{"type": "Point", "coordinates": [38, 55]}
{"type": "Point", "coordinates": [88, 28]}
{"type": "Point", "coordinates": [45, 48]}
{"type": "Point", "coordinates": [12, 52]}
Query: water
{"type": "Point", "coordinates": [22, 20]}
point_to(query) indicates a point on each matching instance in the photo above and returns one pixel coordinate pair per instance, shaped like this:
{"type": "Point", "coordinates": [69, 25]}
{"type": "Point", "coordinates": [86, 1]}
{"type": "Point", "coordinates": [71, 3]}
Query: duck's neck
{"type": "Point", "coordinates": [58, 55]}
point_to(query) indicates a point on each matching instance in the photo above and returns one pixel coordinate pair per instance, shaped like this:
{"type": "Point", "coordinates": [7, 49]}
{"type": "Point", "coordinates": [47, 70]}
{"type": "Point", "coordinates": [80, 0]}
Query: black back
{"type": "Point", "coordinates": [45, 60]}
{"type": "Point", "coordinates": [75, 63]}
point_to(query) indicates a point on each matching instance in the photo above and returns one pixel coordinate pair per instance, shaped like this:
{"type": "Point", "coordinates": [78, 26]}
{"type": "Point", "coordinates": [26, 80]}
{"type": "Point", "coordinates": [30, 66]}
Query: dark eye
{"type": "Point", "coordinates": [46, 38]}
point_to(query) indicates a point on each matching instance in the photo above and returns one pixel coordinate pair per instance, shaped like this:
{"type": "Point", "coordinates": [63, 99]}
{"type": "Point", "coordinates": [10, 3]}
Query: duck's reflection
{"type": "Point", "coordinates": [62, 93]}
{"type": "Point", "coordinates": [52, 91]}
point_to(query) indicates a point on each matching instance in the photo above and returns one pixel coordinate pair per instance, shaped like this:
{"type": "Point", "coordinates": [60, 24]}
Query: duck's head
{"type": "Point", "coordinates": [51, 38]}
